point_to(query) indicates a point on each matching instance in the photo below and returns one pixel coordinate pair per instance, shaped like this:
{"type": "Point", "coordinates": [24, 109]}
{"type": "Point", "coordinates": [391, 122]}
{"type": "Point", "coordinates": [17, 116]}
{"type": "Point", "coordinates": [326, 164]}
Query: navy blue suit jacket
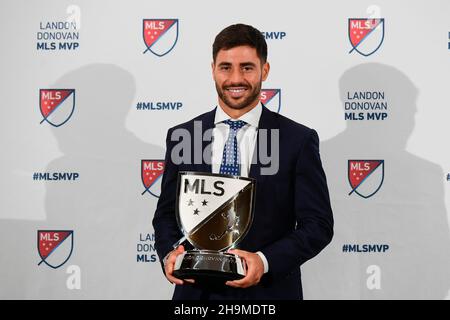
{"type": "Point", "coordinates": [292, 221]}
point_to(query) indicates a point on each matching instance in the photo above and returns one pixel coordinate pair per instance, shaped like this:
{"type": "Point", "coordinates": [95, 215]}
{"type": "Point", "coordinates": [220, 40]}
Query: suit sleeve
{"type": "Point", "coordinates": [165, 224]}
{"type": "Point", "coordinates": [314, 218]}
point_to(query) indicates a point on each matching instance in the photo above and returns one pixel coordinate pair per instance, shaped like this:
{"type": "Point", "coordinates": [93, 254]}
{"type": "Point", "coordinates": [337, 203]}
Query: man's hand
{"type": "Point", "coordinates": [170, 263]}
{"type": "Point", "coordinates": [254, 272]}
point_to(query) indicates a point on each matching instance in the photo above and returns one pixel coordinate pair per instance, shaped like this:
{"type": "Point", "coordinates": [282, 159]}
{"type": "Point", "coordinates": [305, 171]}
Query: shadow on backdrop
{"type": "Point", "coordinates": [407, 213]}
{"type": "Point", "coordinates": [104, 206]}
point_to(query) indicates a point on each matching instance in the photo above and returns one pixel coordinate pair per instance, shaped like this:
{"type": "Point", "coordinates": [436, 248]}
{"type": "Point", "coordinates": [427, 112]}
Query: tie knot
{"type": "Point", "coordinates": [235, 125]}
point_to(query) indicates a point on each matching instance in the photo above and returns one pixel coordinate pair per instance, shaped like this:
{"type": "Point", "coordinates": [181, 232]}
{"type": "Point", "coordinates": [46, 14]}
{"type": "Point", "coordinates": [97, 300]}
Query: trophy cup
{"type": "Point", "coordinates": [214, 212]}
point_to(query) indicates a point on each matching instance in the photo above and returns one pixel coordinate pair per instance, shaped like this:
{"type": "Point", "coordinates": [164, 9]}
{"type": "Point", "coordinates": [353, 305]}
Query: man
{"type": "Point", "coordinates": [292, 219]}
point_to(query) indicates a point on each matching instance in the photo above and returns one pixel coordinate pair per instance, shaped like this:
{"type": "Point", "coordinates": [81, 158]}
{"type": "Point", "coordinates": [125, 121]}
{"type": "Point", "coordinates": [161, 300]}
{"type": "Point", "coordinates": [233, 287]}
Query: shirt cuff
{"type": "Point", "coordinates": [264, 260]}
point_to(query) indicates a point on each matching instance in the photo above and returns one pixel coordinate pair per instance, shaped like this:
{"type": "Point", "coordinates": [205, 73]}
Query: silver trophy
{"type": "Point", "coordinates": [214, 212]}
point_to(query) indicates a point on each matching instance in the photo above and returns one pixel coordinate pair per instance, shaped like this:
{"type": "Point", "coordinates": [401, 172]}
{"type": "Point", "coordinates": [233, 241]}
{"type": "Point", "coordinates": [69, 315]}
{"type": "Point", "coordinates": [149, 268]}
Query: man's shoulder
{"type": "Point", "coordinates": [288, 125]}
{"type": "Point", "coordinates": [189, 125]}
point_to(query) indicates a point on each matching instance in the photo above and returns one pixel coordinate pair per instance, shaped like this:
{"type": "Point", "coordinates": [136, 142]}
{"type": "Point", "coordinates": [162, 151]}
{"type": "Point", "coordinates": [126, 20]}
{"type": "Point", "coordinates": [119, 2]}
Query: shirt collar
{"type": "Point", "coordinates": [251, 117]}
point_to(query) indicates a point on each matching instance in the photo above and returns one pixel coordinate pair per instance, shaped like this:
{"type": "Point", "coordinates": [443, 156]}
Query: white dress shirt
{"type": "Point", "coordinates": [246, 139]}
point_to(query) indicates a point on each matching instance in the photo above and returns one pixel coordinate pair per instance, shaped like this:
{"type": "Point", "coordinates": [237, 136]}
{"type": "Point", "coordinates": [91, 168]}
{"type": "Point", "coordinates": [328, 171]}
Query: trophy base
{"type": "Point", "coordinates": [207, 265]}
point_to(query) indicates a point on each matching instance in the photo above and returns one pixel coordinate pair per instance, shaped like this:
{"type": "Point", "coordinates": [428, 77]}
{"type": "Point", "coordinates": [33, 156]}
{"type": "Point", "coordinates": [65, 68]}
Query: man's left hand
{"type": "Point", "coordinates": [254, 272]}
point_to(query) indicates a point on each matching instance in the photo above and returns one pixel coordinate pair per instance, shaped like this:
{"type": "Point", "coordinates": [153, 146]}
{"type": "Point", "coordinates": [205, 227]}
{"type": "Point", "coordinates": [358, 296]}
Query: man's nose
{"type": "Point", "coordinates": [236, 76]}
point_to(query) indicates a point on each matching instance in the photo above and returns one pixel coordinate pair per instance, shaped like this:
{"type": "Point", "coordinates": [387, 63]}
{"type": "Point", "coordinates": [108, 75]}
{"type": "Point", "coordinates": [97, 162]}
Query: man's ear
{"type": "Point", "coordinates": [265, 71]}
{"type": "Point", "coordinates": [212, 69]}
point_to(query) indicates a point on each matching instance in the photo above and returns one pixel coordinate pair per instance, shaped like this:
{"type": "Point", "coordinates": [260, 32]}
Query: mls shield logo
{"type": "Point", "coordinates": [365, 176]}
{"type": "Point", "coordinates": [55, 247]}
{"type": "Point", "coordinates": [271, 98]}
{"type": "Point", "coordinates": [366, 35]}
{"type": "Point", "coordinates": [160, 35]}
{"type": "Point", "coordinates": [151, 172]}
{"type": "Point", "coordinates": [56, 105]}
{"type": "Point", "coordinates": [214, 211]}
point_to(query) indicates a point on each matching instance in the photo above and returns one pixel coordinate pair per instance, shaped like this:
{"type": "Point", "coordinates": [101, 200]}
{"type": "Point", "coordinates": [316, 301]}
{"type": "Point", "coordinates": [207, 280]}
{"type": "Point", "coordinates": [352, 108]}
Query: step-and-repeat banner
{"type": "Point", "coordinates": [89, 89]}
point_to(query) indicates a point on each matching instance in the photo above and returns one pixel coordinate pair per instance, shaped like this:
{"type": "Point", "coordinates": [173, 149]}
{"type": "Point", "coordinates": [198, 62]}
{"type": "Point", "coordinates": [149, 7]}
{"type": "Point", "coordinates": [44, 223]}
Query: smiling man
{"type": "Point", "coordinates": [293, 219]}
{"type": "Point", "coordinates": [238, 73]}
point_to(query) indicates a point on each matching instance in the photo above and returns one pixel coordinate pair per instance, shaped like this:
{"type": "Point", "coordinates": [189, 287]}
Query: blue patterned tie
{"type": "Point", "coordinates": [231, 162]}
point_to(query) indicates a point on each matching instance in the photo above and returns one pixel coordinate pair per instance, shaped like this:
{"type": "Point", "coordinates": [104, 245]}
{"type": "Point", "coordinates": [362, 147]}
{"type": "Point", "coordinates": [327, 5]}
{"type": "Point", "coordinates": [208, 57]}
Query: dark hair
{"type": "Point", "coordinates": [240, 35]}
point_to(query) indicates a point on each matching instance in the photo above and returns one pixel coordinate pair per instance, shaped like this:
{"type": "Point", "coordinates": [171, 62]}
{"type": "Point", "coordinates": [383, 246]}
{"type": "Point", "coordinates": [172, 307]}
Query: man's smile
{"type": "Point", "coordinates": [236, 92]}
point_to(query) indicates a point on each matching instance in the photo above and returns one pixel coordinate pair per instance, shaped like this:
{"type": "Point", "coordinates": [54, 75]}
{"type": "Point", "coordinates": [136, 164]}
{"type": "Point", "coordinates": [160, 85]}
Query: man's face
{"type": "Point", "coordinates": [238, 74]}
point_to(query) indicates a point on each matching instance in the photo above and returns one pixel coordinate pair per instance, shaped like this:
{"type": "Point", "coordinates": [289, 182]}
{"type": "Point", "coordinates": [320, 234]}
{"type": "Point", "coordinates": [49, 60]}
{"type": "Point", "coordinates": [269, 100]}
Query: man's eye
{"type": "Point", "coordinates": [248, 68]}
{"type": "Point", "coordinates": [224, 68]}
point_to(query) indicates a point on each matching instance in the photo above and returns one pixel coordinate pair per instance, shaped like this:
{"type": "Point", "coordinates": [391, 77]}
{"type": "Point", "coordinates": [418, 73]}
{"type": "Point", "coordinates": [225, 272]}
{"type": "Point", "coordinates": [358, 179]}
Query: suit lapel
{"type": "Point", "coordinates": [207, 124]}
{"type": "Point", "coordinates": [267, 121]}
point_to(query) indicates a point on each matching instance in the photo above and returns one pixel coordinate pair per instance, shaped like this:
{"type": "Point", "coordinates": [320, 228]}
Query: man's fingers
{"type": "Point", "coordinates": [173, 258]}
{"type": "Point", "coordinates": [170, 266]}
{"type": "Point", "coordinates": [252, 276]}
{"type": "Point", "coordinates": [245, 282]}
{"type": "Point", "coordinates": [242, 283]}
{"type": "Point", "coordinates": [239, 253]}
{"type": "Point", "coordinates": [174, 280]}
{"type": "Point", "coordinates": [239, 282]}
{"type": "Point", "coordinates": [170, 277]}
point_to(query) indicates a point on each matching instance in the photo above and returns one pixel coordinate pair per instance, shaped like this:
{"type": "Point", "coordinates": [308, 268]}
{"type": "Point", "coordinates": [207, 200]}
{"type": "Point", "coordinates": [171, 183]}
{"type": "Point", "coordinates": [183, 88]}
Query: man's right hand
{"type": "Point", "coordinates": [170, 263]}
